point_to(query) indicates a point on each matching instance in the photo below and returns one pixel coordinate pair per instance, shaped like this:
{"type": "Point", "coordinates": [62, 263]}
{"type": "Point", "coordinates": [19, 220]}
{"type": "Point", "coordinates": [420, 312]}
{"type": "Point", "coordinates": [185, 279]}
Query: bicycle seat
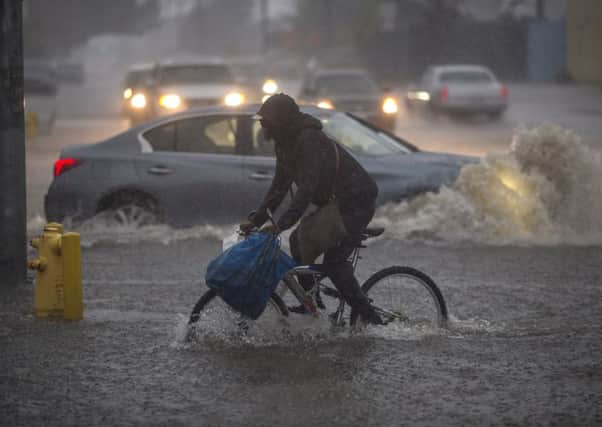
{"type": "Point", "coordinates": [372, 232]}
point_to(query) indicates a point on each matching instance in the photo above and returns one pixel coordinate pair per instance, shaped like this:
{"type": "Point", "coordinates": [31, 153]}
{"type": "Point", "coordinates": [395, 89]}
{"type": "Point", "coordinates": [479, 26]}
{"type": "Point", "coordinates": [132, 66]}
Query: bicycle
{"type": "Point", "coordinates": [414, 299]}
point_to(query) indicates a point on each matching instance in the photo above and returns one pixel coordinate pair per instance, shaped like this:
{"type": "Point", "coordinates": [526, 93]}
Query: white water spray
{"type": "Point", "coordinates": [546, 190]}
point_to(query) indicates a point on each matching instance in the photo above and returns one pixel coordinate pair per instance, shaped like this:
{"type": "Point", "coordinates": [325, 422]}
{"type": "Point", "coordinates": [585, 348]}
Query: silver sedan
{"type": "Point", "coordinates": [213, 165]}
{"type": "Point", "coordinates": [459, 89]}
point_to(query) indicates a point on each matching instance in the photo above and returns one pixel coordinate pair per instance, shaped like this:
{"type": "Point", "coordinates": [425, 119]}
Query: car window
{"type": "Point", "coordinates": [361, 139]}
{"type": "Point", "coordinates": [261, 146]}
{"type": "Point", "coordinates": [465, 77]}
{"type": "Point", "coordinates": [137, 78]}
{"type": "Point", "coordinates": [346, 84]}
{"type": "Point", "coordinates": [196, 74]}
{"type": "Point", "coordinates": [210, 135]}
{"type": "Point", "coordinates": [162, 138]}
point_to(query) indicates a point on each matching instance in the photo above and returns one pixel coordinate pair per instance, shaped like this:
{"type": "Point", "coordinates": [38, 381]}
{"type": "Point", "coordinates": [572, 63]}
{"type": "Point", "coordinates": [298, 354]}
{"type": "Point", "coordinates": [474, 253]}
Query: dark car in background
{"type": "Point", "coordinates": [213, 165]}
{"type": "Point", "coordinates": [350, 90]}
{"type": "Point", "coordinates": [40, 99]}
{"type": "Point", "coordinates": [459, 90]}
{"type": "Point", "coordinates": [136, 88]}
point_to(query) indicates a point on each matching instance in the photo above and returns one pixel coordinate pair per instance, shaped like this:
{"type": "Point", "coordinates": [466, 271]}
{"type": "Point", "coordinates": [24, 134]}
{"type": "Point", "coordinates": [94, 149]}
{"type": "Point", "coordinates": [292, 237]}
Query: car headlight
{"type": "Point", "coordinates": [127, 94]}
{"type": "Point", "coordinates": [390, 105]}
{"type": "Point", "coordinates": [420, 95]}
{"type": "Point", "coordinates": [138, 101]}
{"type": "Point", "coordinates": [325, 104]}
{"type": "Point", "coordinates": [234, 99]}
{"type": "Point", "coordinates": [170, 101]}
{"type": "Point", "coordinates": [270, 87]}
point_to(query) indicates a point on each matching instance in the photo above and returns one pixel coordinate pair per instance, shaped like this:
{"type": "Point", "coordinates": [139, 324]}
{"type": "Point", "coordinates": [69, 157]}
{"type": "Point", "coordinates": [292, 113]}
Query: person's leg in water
{"type": "Point", "coordinates": [339, 268]}
{"type": "Point", "coordinates": [340, 271]}
{"type": "Point", "coordinates": [306, 281]}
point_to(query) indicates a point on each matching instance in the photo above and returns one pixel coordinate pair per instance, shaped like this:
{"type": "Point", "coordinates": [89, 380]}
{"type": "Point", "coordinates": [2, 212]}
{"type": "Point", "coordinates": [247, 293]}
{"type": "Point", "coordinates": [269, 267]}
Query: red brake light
{"type": "Point", "coordinates": [504, 92]}
{"type": "Point", "coordinates": [63, 165]}
{"type": "Point", "coordinates": [444, 93]}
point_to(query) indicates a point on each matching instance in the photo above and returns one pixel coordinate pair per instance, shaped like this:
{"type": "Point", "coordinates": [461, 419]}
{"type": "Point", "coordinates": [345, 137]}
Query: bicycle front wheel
{"type": "Point", "coordinates": [209, 303]}
{"type": "Point", "coordinates": [404, 294]}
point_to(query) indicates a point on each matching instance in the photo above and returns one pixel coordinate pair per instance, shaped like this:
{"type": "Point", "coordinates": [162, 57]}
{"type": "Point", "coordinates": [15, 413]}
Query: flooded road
{"type": "Point", "coordinates": [518, 259]}
{"type": "Point", "coordinates": [522, 347]}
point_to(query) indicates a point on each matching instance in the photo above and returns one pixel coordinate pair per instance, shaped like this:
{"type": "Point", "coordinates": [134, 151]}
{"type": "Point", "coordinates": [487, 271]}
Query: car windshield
{"type": "Point", "coordinates": [345, 85]}
{"type": "Point", "coordinates": [465, 77]}
{"type": "Point", "coordinates": [361, 139]}
{"type": "Point", "coordinates": [135, 78]}
{"type": "Point", "coordinates": [196, 74]}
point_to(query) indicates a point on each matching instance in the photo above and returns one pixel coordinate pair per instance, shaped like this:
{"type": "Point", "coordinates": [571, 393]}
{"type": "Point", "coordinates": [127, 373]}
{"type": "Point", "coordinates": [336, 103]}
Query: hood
{"type": "Point", "coordinates": [200, 91]}
{"type": "Point", "coordinates": [427, 158]}
{"type": "Point", "coordinates": [414, 173]}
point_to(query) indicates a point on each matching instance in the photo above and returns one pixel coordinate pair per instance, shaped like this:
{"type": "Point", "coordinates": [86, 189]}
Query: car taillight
{"type": "Point", "coordinates": [63, 165]}
{"type": "Point", "coordinates": [444, 93]}
{"type": "Point", "coordinates": [504, 92]}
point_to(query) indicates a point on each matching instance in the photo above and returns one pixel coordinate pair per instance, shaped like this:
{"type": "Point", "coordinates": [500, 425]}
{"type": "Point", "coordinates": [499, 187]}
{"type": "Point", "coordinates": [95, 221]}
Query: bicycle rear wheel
{"type": "Point", "coordinates": [404, 294]}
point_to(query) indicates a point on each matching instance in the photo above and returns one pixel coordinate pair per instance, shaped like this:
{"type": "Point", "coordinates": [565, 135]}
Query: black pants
{"type": "Point", "coordinates": [336, 259]}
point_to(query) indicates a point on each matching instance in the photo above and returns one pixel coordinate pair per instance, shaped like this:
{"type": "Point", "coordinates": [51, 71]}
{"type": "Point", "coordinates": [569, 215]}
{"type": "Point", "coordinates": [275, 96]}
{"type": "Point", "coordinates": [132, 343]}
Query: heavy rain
{"type": "Point", "coordinates": [131, 128]}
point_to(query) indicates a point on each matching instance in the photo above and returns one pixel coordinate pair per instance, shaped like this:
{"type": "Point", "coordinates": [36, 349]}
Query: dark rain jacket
{"type": "Point", "coordinates": [306, 157]}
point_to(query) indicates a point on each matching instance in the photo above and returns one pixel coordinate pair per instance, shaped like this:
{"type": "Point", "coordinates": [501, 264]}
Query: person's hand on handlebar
{"type": "Point", "coordinates": [246, 227]}
{"type": "Point", "coordinates": [270, 228]}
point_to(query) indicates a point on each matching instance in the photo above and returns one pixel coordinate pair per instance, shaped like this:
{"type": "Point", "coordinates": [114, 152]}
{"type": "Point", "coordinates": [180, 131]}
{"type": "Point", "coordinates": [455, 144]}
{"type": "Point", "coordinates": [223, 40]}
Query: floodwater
{"type": "Point", "coordinates": [515, 246]}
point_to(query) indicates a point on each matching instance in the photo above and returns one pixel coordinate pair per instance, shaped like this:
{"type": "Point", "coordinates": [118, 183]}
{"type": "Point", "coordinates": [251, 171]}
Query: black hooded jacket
{"type": "Point", "coordinates": [306, 157]}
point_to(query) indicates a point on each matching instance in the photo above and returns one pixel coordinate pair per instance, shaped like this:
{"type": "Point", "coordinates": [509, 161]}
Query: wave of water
{"type": "Point", "coordinates": [547, 189]}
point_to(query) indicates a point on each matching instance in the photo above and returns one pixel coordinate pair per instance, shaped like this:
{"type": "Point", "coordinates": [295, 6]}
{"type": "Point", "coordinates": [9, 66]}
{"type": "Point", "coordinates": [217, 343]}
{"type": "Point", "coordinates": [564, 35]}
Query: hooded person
{"type": "Point", "coordinates": [328, 177]}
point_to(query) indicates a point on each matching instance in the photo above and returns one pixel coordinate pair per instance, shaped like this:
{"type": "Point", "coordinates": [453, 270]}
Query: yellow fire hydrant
{"type": "Point", "coordinates": [58, 284]}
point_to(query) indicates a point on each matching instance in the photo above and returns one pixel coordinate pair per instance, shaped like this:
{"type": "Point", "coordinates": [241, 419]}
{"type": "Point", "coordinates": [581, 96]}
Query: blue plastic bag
{"type": "Point", "coordinates": [246, 274]}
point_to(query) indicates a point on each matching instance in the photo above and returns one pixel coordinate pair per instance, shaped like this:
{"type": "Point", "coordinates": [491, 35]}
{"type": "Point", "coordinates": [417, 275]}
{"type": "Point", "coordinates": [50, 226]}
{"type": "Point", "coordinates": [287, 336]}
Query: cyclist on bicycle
{"type": "Point", "coordinates": [328, 177]}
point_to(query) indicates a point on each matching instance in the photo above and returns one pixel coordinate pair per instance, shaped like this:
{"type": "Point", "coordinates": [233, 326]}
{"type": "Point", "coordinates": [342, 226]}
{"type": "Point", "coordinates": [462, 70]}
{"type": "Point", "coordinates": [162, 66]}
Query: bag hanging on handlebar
{"type": "Point", "coordinates": [246, 274]}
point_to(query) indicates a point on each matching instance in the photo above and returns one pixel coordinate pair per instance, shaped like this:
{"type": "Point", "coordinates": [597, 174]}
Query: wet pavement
{"type": "Point", "coordinates": [522, 348]}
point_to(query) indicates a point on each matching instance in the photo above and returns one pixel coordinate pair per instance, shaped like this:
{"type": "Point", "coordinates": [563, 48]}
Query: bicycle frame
{"type": "Point", "coordinates": [307, 298]}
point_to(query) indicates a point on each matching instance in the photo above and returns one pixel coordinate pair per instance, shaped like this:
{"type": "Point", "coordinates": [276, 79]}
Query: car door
{"type": "Point", "coordinates": [194, 167]}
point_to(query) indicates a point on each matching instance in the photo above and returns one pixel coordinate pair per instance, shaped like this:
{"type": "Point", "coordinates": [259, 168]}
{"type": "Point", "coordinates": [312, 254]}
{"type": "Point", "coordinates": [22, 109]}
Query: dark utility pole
{"type": "Point", "coordinates": [13, 252]}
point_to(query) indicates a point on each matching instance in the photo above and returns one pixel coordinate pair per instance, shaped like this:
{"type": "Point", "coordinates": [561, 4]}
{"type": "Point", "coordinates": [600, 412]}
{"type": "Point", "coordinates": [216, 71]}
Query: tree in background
{"type": "Point", "coordinates": [53, 27]}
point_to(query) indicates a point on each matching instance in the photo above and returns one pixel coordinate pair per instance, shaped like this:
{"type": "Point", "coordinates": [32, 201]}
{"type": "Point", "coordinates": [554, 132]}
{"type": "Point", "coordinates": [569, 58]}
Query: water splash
{"type": "Point", "coordinates": [546, 190]}
{"type": "Point", "coordinates": [95, 231]}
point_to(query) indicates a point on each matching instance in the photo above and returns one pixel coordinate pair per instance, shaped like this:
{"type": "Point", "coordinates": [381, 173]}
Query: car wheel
{"type": "Point", "coordinates": [131, 209]}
